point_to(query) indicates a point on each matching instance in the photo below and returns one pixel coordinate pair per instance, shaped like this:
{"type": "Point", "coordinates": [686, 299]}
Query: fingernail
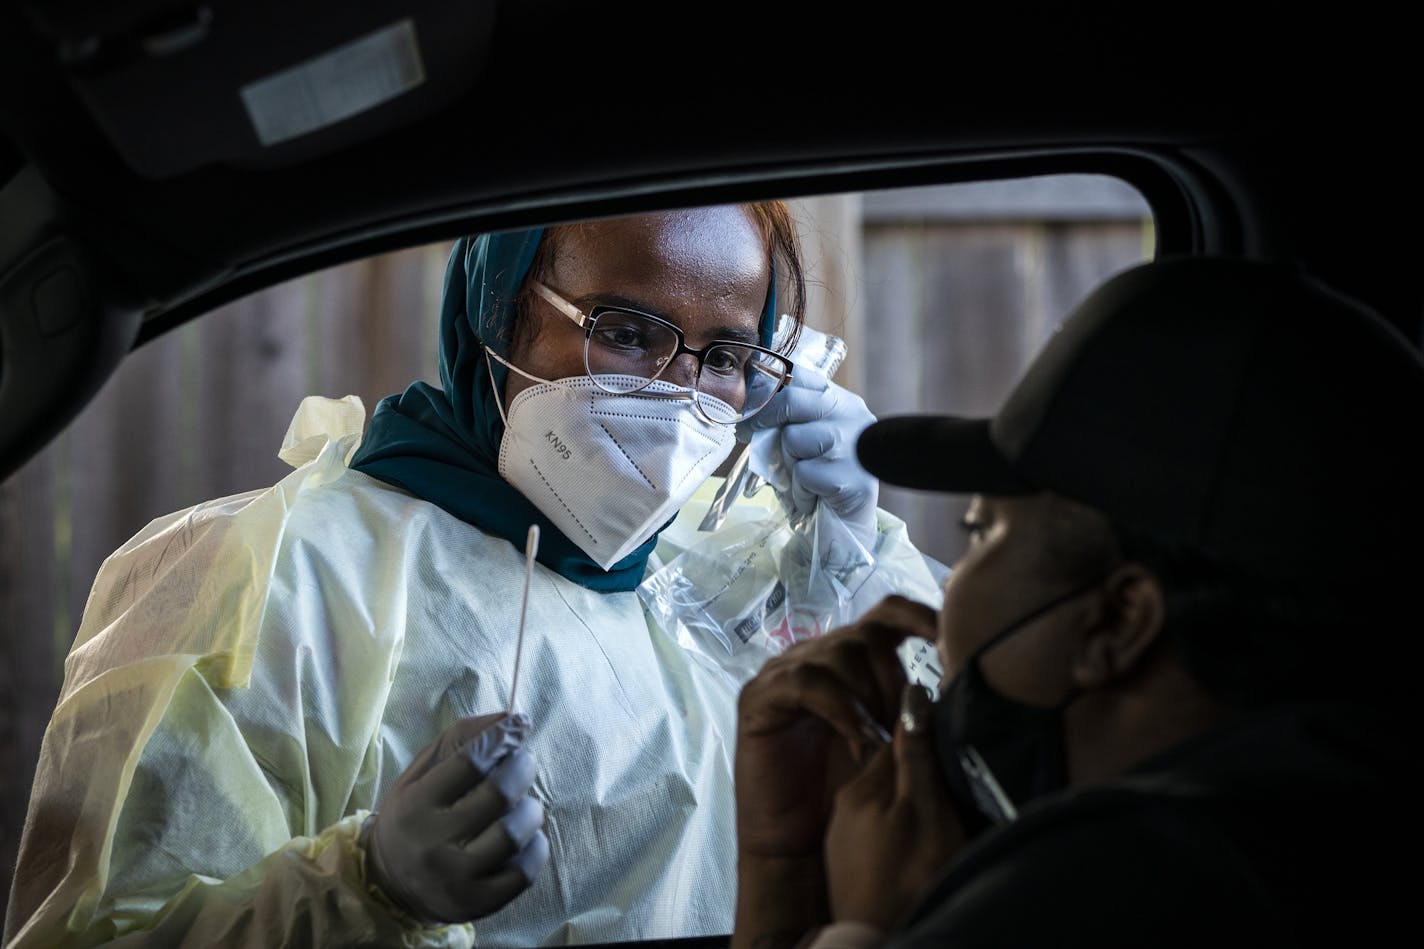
{"type": "Point", "coordinates": [914, 708]}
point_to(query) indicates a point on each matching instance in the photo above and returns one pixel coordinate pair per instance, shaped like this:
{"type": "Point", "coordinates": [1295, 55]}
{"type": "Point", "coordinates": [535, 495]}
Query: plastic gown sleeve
{"type": "Point", "coordinates": [181, 798]}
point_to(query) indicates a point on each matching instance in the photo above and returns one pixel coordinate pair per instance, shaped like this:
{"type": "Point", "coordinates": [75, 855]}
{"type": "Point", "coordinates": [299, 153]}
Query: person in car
{"type": "Point", "coordinates": [291, 716]}
{"type": "Point", "coordinates": [1174, 649]}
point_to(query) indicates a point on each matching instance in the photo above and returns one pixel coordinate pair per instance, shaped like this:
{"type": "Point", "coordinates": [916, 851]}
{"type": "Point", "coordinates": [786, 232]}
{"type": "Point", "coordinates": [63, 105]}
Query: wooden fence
{"type": "Point", "coordinates": [942, 311]}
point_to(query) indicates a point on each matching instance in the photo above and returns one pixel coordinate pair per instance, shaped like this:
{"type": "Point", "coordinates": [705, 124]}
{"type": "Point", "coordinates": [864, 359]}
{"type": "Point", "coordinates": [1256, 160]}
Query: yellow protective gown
{"type": "Point", "coordinates": [251, 675]}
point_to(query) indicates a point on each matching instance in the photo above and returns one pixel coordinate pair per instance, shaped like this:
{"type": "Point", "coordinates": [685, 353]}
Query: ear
{"type": "Point", "coordinates": [1129, 625]}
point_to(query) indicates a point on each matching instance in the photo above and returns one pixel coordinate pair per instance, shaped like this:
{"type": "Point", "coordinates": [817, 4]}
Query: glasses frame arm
{"type": "Point", "coordinates": [579, 317]}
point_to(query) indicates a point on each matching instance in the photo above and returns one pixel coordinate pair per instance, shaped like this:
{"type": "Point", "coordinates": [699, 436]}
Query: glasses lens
{"type": "Point", "coordinates": [742, 378]}
{"type": "Point", "coordinates": [627, 350]}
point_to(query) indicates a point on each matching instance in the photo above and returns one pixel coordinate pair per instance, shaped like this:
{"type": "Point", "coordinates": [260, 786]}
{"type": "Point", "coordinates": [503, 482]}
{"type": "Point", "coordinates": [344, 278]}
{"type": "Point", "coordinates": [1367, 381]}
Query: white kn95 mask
{"type": "Point", "coordinates": [609, 470]}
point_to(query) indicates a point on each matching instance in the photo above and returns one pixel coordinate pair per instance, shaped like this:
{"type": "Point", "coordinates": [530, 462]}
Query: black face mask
{"type": "Point", "coordinates": [997, 754]}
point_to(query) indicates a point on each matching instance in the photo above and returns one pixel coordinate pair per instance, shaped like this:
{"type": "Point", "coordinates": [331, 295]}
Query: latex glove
{"type": "Point", "coordinates": [893, 827]}
{"type": "Point", "coordinates": [458, 835]}
{"type": "Point", "coordinates": [816, 423]}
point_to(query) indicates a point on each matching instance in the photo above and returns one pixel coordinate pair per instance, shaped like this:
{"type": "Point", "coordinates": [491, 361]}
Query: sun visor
{"type": "Point", "coordinates": [258, 83]}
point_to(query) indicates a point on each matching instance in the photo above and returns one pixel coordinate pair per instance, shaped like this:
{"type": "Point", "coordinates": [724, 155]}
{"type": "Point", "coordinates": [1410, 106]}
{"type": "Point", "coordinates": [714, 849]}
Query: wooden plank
{"type": "Point", "coordinates": [374, 324]}
{"type": "Point", "coordinates": [394, 320]}
{"type": "Point", "coordinates": [832, 255]}
{"type": "Point", "coordinates": [973, 288]}
{"type": "Point", "coordinates": [1083, 255]}
{"type": "Point", "coordinates": [249, 377]}
{"type": "Point", "coordinates": [336, 354]}
{"type": "Point", "coordinates": [435, 260]}
{"type": "Point", "coordinates": [896, 310]}
{"type": "Point", "coordinates": [29, 667]}
{"type": "Point", "coordinates": [958, 313]}
{"type": "Point", "coordinates": [126, 459]}
{"type": "Point", "coordinates": [1060, 197]}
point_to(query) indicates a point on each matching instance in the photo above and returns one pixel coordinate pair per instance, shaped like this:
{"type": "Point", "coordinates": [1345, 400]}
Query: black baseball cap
{"type": "Point", "coordinates": [1241, 407]}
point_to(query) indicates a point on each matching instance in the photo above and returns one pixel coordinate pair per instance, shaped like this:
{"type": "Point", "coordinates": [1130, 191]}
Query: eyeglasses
{"type": "Point", "coordinates": [625, 351]}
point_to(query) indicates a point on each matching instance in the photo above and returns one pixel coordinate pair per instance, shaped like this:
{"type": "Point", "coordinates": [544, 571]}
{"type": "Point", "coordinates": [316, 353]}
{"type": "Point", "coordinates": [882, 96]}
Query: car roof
{"type": "Point", "coordinates": [148, 173]}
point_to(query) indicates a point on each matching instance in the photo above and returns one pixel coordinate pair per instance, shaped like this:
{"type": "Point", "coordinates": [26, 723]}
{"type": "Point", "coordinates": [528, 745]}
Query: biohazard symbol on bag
{"type": "Point", "coordinates": [799, 624]}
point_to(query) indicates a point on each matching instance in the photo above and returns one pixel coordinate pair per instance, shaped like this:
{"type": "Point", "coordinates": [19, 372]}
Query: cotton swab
{"type": "Point", "coordinates": [531, 547]}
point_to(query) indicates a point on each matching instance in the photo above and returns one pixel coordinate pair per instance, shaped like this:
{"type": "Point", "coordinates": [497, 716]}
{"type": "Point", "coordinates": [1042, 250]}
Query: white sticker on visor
{"type": "Point", "coordinates": [336, 85]}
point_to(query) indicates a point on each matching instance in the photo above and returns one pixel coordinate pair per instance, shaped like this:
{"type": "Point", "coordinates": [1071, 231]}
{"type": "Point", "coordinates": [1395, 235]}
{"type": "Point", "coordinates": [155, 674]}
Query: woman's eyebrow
{"type": "Point", "coordinates": [730, 333]}
{"type": "Point", "coordinates": [590, 300]}
{"type": "Point", "coordinates": [736, 334]}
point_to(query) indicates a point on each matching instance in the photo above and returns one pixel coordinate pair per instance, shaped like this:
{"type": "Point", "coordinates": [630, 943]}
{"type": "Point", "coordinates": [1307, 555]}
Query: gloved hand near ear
{"type": "Point", "coordinates": [815, 424]}
{"type": "Point", "coordinates": [458, 835]}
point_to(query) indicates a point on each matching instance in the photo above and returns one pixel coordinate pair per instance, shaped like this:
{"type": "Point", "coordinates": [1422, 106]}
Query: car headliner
{"type": "Point", "coordinates": [1274, 136]}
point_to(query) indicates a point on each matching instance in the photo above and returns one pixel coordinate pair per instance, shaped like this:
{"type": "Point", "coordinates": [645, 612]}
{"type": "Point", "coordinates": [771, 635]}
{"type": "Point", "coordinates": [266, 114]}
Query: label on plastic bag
{"type": "Point", "coordinates": [746, 592]}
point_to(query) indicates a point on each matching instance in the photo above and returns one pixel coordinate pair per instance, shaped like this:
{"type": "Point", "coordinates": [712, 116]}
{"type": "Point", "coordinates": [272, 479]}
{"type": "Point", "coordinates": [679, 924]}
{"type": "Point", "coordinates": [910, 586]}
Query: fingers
{"type": "Point", "coordinates": [874, 785]}
{"type": "Point", "coordinates": [831, 432]}
{"type": "Point", "coordinates": [447, 743]}
{"type": "Point", "coordinates": [904, 775]}
{"type": "Point", "coordinates": [531, 858]}
{"type": "Point", "coordinates": [883, 628]}
{"type": "Point", "coordinates": [893, 827]}
{"type": "Point", "coordinates": [817, 444]}
{"type": "Point", "coordinates": [501, 839]}
{"type": "Point", "coordinates": [471, 750]}
{"type": "Point", "coordinates": [838, 480]}
{"type": "Point", "coordinates": [459, 835]}
{"type": "Point", "coordinates": [805, 400]}
{"type": "Point", "coordinates": [466, 730]}
{"type": "Point", "coordinates": [837, 677]}
{"type": "Point", "coordinates": [497, 852]}
{"type": "Point", "coordinates": [916, 763]}
{"type": "Point", "coordinates": [785, 698]}
{"type": "Point", "coordinates": [830, 681]}
{"type": "Point", "coordinates": [862, 656]}
{"type": "Point", "coordinates": [493, 841]}
{"type": "Point", "coordinates": [835, 417]}
{"type": "Point", "coordinates": [499, 793]}
{"type": "Point", "coordinates": [483, 893]}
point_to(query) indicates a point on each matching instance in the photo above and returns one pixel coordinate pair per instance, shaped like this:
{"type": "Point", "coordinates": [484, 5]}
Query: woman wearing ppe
{"type": "Point", "coordinates": [286, 718]}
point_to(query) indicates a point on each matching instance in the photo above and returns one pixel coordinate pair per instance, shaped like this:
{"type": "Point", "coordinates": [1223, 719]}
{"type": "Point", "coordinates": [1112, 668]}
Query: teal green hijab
{"type": "Point", "coordinates": [442, 444]}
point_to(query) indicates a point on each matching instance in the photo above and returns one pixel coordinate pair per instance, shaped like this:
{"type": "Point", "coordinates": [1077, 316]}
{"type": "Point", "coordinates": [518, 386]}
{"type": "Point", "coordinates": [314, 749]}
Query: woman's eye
{"type": "Point", "coordinates": [722, 361]}
{"type": "Point", "coordinates": [620, 337]}
{"type": "Point", "coordinates": [972, 526]}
